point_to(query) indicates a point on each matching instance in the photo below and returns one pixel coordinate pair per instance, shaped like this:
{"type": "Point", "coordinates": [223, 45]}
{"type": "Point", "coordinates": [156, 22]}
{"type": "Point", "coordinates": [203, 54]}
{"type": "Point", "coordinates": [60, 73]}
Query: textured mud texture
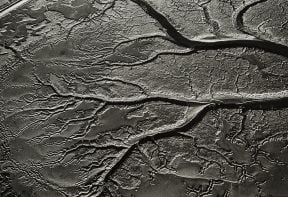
{"type": "Point", "coordinates": [144, 98]}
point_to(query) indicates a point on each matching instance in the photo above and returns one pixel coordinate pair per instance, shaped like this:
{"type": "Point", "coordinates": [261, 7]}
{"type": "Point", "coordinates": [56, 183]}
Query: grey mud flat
{"type": "Point", "coordinates": [144, 98]}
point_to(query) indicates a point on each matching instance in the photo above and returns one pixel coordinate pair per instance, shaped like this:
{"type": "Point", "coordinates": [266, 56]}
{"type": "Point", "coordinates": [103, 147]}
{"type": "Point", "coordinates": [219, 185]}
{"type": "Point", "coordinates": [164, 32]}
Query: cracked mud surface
{"type": "Point", "coordinates": [143, 98]}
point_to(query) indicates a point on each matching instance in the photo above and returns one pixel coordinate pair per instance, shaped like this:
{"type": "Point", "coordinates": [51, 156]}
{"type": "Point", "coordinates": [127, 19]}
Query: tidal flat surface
{"type": "Point", "coordinates": [143, 98]}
